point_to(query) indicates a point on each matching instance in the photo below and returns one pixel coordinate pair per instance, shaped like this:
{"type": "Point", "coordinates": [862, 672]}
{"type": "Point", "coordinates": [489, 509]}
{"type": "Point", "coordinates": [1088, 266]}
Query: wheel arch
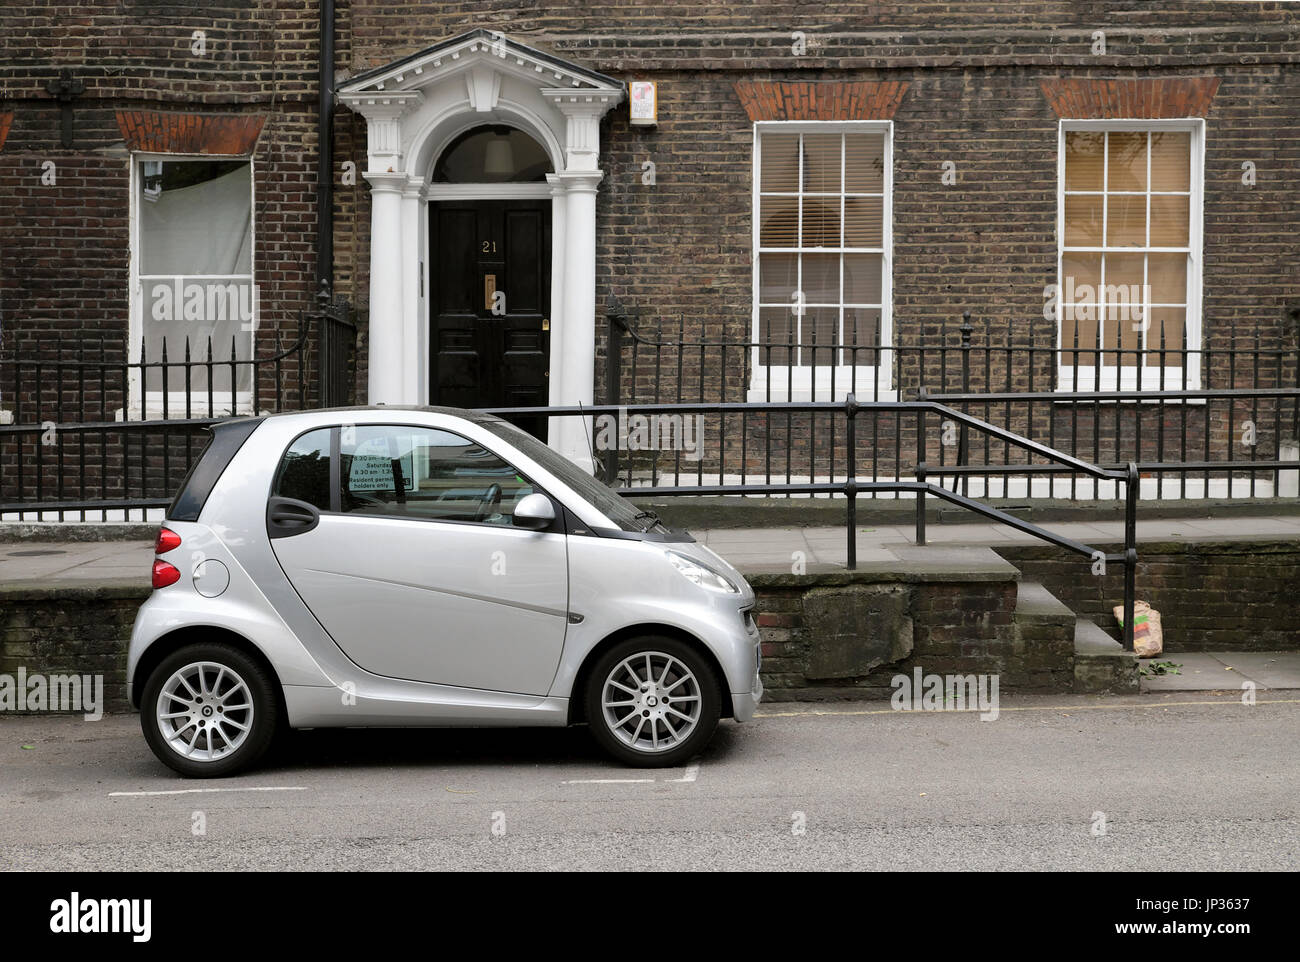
{"type": "Point", "coordinates": [178, 638]}
{"type": "Point", "coordinates": [577, 699]}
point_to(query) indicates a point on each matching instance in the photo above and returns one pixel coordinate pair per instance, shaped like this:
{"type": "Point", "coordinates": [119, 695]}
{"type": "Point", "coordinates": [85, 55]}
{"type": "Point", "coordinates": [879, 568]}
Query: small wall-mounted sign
{"type": "Point", "coordinates": [643, 103]}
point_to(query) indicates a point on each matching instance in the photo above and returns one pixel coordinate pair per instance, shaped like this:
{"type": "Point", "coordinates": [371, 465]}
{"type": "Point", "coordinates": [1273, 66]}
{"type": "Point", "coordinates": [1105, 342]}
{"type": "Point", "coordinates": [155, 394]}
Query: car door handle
{"type": "Point", "coordinates": [289, 516]}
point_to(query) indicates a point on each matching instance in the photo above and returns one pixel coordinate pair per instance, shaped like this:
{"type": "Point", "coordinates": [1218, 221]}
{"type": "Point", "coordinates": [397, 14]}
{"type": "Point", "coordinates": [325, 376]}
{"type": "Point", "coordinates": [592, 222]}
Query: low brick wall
{"type": "Point", "coordinates": [816, 650]}
{"type": "Point", "coordinates": [835, 634]}
{"type": "Point", "coordinates": [827, 635]}
{"type": "Point", "coordinates": [1211, 595]}
{"type": "Point", "coordinates": [81, 629]}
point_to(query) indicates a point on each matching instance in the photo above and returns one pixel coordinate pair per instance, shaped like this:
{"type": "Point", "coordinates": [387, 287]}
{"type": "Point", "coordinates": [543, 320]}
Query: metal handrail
{"type": "Point", "coordinates": [851, 487]}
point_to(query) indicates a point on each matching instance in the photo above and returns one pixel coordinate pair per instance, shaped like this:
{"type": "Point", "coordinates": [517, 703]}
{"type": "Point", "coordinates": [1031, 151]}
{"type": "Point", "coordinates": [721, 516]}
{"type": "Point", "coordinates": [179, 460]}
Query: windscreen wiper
{"type": "Point", "coordinates": [647, 515]}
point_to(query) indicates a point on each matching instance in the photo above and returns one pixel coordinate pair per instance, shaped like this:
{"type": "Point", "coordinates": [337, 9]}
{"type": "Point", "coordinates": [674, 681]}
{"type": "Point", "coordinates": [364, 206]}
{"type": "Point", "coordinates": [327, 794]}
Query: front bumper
{"type": "Point", "coordinates": [744, 703]}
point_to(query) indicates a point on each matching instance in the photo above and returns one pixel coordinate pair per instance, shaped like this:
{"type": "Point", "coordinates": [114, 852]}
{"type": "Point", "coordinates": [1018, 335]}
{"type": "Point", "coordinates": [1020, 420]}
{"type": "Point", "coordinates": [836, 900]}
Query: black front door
{"type": "Point", "coordinates": [490, 307]}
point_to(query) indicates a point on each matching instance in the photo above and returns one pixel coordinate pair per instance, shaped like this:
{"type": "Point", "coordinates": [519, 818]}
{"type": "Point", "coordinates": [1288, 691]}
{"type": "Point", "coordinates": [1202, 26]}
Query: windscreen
{"type": "Point", "coordinates": [604, 499]}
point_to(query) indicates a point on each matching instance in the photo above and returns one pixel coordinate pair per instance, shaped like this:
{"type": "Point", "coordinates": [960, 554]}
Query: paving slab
{"type": "Point", "coordinates": [1267, 669]}
{"type": "Point", "coordinates": [1227, 671]}
{"type": "Point", "coordinates": [1199, 671]}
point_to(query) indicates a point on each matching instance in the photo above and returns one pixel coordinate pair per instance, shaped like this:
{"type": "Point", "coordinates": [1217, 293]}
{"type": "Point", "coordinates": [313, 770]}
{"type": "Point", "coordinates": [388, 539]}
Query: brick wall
{"type": "Point", "coordinates": [816, 650]}
{"type": "Point", "coordinates": [679, 249]}
{"type": "Point", "coordinates": [1231, 596]}
{"type": "Point", "coordinates": [82, 630]}
{"type": "Point", "coordinates": [64, 248]}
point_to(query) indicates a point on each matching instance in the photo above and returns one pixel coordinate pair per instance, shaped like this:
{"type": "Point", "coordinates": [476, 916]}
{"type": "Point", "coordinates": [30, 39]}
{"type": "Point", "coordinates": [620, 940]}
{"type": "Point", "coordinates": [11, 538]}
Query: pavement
{"type": "Point", "coordinates": [747, 548]}
{"type": "Point", "coordinates": [1154, 782]}
{"type": "Point", "coordinates": [1219, 670]}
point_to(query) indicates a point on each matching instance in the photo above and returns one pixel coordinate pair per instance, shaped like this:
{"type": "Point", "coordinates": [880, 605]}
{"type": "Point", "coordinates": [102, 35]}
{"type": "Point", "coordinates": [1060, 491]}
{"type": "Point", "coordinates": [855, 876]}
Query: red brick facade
{"type": "Point", "coordinates": [978, 86]}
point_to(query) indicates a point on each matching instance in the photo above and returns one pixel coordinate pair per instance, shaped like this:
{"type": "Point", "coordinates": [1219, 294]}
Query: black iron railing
{"type": "Point", "coordinates": [929, 419]}
{"type": "Point", "coordinates": [113, 435]}
{"type": "Point", "coordinates": [1215, 421]}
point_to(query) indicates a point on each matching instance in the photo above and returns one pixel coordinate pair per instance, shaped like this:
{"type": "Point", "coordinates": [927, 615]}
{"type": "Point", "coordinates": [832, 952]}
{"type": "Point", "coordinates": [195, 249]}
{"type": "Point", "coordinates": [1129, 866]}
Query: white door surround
{"type": "Point", "coordinates": [415, 108]}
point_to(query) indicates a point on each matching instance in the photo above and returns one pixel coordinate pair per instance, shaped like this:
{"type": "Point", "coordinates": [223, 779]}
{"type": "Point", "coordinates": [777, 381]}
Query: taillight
{"type": "Point", "coordinates": [165, 574]}
{"type": "Point", "coordinates": [167, 540]}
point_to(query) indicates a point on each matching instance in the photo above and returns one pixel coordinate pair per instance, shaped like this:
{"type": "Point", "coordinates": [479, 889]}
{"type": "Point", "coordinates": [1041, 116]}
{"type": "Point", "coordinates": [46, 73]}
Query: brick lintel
{"type": "Point", "coordinates": [782, 100]}
{"type": "Point", "coordinates": [1149, 98]}
{"type": "Point", "coordinates": [167, 132]}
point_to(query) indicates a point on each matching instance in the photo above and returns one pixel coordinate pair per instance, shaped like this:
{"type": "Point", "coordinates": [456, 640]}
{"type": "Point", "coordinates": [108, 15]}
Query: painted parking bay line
{"type": "Point", "coordinates": [691, 773]}
{"type": "Point", "coordinates": [202, 791]}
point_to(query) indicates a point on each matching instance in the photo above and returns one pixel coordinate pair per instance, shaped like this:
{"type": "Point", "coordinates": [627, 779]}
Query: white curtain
{"type": "Point", "coordinates": [185, 234]}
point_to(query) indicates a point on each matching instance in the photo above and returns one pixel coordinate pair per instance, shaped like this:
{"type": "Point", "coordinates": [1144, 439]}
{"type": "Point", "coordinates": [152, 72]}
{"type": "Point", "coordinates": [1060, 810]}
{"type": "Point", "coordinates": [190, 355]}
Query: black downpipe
{"type": "Point", "coordinates": [325, 156]}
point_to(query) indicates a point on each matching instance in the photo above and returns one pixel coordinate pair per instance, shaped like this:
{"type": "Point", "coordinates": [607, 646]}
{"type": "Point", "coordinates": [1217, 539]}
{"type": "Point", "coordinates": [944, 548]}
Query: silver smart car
{"type": "Point", "coordinates": [394, 566]}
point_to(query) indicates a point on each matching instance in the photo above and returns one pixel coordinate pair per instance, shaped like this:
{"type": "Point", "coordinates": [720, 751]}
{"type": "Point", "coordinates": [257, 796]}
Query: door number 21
{"type": "Point", "coordinates": [489, 247]}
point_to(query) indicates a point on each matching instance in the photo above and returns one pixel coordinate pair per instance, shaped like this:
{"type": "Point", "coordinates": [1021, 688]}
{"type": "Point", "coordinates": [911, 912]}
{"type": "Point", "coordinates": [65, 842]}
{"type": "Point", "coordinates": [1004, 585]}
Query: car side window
{"type": "Point", "coordinates": [411, 472]}
{"type": "Point", "coordinates": [304, 471]}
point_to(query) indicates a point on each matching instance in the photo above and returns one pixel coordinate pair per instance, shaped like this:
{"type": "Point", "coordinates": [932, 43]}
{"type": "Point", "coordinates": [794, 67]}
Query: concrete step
{"type": "Point", "coordinates": [1036, 605]}
{"type": "Point", "coordinates": [1100, 662]}
{"type": "Point", "coordinates": [1044, 638]}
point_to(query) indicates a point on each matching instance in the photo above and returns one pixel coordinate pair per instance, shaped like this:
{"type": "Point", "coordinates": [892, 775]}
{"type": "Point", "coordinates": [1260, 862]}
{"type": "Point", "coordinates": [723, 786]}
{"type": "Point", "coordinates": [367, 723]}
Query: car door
{"type": "Point", "coordinates": [400, 540]}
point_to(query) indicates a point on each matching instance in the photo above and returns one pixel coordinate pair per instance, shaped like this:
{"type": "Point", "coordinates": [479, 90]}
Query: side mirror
{"type": "Point", "coordinates": [534, 512]}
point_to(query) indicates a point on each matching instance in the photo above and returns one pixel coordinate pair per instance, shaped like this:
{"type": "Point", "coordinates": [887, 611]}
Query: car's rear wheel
{"type": "Point", "coordinates": [652, 701]}
{"type": "Point", "coordinates": [209, 710]}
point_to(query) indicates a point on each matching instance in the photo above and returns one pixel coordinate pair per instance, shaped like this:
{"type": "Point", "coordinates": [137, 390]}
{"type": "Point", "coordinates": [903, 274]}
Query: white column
{"type": "Point", "coordinates": [582, 111]}
{"type": "Point", "coordinates": [577, 378]}
{"type": "Point", "coordinates": [559, 208]}
{"type": "Point", "coordinates": [410, 363]}
{"type": "Point", "coordinates": [385, 381]}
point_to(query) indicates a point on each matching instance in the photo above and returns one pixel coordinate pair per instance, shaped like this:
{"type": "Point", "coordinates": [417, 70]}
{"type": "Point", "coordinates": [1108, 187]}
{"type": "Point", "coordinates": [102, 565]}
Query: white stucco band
{"type": "Point", "coordinates": [414, 108]}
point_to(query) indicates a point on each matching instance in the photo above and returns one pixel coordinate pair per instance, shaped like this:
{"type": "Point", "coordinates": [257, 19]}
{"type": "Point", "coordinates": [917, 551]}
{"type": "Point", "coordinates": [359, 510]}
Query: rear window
{"type": "Point", "coordinates": [227, 438]}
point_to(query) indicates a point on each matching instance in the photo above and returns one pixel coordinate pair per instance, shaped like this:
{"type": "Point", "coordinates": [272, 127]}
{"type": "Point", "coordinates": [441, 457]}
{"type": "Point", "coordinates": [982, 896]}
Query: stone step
{"type": "Point", "coordinates": [1036, 605]}
{"type": "Point", "coordinates": [1100, 662]}
{"type": "Point", "coordinates": [1043, 650]}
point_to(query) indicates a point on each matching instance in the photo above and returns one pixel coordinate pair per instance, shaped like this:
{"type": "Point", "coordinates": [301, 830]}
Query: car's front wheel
{"type": "Point", "coordinates": [652, 701]}
{"type": "Point", "coordinates": [209, 710]}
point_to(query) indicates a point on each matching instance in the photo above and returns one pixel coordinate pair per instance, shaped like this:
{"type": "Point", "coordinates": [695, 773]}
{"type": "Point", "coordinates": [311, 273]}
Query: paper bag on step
{"type": "Point", "coordinates": [1148, 639]}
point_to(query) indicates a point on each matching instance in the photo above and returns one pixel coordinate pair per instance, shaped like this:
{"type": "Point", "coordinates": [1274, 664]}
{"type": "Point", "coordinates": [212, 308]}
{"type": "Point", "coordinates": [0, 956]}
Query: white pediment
{"type": "Point", "coordinates": [482, 56]}
{"type": "Point", "coordinates": [414, 105]}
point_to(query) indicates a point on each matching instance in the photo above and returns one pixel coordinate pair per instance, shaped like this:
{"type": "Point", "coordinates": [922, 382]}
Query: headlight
{"type": "Point", "coordinates": [701, 575]}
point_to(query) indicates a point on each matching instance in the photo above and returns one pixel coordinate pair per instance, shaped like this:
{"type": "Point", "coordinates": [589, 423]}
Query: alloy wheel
{"type": "Point", "coordinates": [204, 711]}
{"type": "Point", "coordinates": [651, 702]}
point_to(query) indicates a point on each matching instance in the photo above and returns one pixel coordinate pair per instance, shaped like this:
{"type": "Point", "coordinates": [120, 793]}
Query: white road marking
{"type": "Point", "coordinates": [692, 772]}
{"type": "Point", "coordinates": [197, 791]}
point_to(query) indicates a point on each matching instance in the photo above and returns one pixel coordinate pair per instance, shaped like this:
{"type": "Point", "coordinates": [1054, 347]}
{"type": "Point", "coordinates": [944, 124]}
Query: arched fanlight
{"type": "Point", "coordinates": [492, 155]}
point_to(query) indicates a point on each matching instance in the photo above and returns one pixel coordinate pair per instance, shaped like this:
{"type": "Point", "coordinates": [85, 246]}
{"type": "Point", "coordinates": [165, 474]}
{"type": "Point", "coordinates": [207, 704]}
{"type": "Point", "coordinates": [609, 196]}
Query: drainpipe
{"type": "Point", "coordinates": [325, 155]}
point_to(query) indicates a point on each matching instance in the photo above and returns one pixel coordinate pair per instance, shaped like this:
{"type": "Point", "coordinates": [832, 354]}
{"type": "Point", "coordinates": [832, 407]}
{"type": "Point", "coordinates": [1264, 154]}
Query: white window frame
{"type": "Point", "coordinates": [150, 406]}
{"type": "Point", "coordinates": [1147, 377]}
{"type": "Point", "coordinates": [806, 383]}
